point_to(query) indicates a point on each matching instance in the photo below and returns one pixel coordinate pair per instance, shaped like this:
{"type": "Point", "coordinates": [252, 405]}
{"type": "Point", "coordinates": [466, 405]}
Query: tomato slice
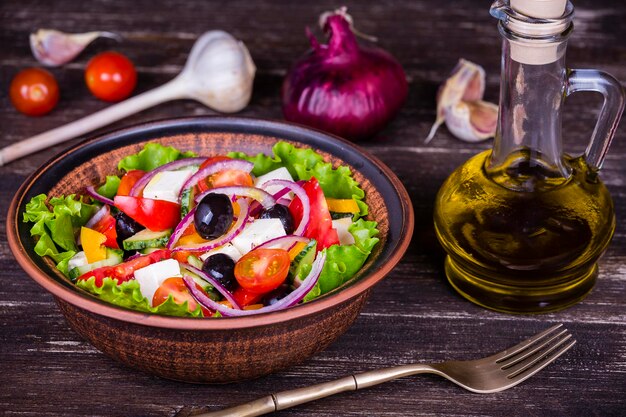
{"type": "Point", "coordinates": [224, 178]}
{"type": "Point", "coordinates": [245, 298]}
{"type": "Point", "coordinates": [176, 287]}
{"type": "Point", "coordinates": [128, 181]}
{"type": "Point", "coordinates": [156, 215]}
{"type": "Point", "coordinates": [320, 225]}
{"type": "Point", "coordinates": [262, 270]}
{"type": "Point", "coordinates": [106, 226]}
{"type": "Point", "coordinates": [125, 271]}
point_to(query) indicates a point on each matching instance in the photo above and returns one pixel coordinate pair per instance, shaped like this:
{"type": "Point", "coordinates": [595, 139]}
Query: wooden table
{"type": "Point", "coordinates": [47, 370]}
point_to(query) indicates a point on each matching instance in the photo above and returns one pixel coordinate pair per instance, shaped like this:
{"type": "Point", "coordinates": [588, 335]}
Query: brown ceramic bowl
{"type": "Point", "coordinates": [225, 349]}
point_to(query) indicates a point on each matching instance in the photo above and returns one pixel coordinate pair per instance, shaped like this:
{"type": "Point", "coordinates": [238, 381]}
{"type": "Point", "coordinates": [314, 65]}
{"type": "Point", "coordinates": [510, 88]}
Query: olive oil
{"type": "Point", "coordinates": [519, 238]}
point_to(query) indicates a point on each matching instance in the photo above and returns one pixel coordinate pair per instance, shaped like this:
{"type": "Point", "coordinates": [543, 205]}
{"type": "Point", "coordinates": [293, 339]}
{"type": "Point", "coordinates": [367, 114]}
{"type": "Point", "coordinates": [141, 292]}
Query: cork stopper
{"type": "Point", "coordinates": [540, 9]}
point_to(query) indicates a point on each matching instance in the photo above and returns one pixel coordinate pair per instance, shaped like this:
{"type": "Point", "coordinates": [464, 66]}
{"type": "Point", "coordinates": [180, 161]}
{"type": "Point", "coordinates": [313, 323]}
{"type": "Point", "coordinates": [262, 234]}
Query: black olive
{"type": "Point", "coordinates": [125, 227]}
{"type": "Point", "coordinates": [276, 295]}
{"type": "Point", "coordinates": [214, 215]}
{"type": "Point", "coordinates": [221, 267]}
{"type": "Point", "coordinates": [280, 212]}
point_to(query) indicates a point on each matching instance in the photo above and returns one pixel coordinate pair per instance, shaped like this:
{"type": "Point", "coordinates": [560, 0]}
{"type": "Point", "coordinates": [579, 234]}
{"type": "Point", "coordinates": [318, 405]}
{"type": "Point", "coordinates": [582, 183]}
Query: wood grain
{"type": "Point", "coordinates": [47, 370]}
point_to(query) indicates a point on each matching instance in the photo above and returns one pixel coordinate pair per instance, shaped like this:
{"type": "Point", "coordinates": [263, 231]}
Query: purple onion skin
{"type": "Point", "coordinates": [343, 88]}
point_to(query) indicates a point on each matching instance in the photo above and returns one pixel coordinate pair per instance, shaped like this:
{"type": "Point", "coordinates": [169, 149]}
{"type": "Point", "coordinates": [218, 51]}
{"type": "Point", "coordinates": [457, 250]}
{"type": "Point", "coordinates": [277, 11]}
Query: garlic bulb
{"type": "Point", "coordinates": [226, 72]}
{"type": "Point", "coordinates": [460, 105]}
{"type": "Point", "coordinates": [53, 48]}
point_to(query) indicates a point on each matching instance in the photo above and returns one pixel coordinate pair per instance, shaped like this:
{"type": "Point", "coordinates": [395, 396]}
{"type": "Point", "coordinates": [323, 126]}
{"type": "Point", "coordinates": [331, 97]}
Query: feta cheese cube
{"type": "Point", "coordinates": [277, 174]}
{"type": "Point", "coordinates": [152, 276]}
{"type": "Point", "coordinates": [257, 232]}
{"type": "Point", "coordinates": [166, 185]}
{"type": "Point", "coordinates": [342, 225]}
{"type": "Point", "coordinates": [226, 249]}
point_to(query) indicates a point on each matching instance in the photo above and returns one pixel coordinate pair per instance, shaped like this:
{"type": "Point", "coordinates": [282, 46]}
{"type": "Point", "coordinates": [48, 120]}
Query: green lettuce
{"type": "Point", "coordinates": [303, 164]}
{"type": "Point", "coordinates": [55, 225]}
{"type": "Point", "coordinates": [343, 262]}
{"type": "Point", "coordinates": [128, 295]}
{"type": "Point", "coordinates": [152, 156]}
{"type": "Point", "coordinates": [110, 186]}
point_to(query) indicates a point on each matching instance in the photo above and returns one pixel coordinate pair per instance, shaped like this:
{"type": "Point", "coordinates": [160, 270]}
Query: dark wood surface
{"type": "Point", "coordinates": [413, 315]}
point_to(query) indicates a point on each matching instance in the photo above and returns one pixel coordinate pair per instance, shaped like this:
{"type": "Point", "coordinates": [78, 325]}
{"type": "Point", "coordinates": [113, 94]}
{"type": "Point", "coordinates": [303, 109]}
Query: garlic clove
{"type": "Point", "coordinates": [53, 48]}
{"type": "Point", "coordinates": [472, 121]}
{"type": "Point", "coordinates": [466, 83]}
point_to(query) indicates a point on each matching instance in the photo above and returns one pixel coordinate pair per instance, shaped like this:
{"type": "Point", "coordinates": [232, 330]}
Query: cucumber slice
{"type": "Point", "coordinates": [185, 201]}
{"type": "Point", "coordinates": [302, 261]}
{"type": "Point", "coordinates": [195, 261]}
{"type": "Point", "coordinates": [148, 251]}
{"type": "Point", "coordinates": [146, 238]}
{"type": "Point", "coordinates": [114, 257]}
{"type": "Point", "coordinates": [336, 215]}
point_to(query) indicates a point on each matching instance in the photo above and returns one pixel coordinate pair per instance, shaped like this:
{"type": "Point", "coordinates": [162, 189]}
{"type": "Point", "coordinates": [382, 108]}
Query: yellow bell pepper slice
{"type": "Point", "coordinates": [295, 251]}
{"type": "Point", "coordinates": [341, 205]}
{"type": "Point", "coordinates": [93, 244]}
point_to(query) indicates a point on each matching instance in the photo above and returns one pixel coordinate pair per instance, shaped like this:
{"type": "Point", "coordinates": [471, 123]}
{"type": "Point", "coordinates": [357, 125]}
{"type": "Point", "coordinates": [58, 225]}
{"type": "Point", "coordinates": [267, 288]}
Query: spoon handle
{"type": "Point", "coordinates": [170, 91]}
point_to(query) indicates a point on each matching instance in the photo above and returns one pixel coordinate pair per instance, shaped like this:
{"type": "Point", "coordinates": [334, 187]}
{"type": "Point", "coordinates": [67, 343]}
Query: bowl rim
{"type": "Point", "coordinates": [259, 126]}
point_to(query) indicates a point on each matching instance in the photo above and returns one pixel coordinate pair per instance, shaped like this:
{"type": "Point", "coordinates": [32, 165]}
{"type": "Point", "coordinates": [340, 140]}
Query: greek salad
{"type": "Point", "coordinates": [226, 235]}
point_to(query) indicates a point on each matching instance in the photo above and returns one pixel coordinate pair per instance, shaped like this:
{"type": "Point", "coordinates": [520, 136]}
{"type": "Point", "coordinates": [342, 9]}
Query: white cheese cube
{"type": "Point", "coordinates": [166, 185]}
{"type": "Point", "coordinates": [277, 174]}
{"type": "Point", "coordinates": [152, 276]}
{"type": "Point", "coordinates": [226, 249]}
{"type": "Point", "coordinates": [342, 225]}
{"type": "Point", "coordinates": [77, 260]}
{"type": "Point", "coordinates": [257, 232]}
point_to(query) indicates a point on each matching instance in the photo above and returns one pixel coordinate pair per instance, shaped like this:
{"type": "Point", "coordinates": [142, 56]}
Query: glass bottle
{"type": "Point", "coordinates": [524, 223]}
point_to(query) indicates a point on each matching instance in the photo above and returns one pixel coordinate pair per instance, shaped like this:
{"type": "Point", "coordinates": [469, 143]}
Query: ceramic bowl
{"type": "Point", "coordinates": [225, 349]}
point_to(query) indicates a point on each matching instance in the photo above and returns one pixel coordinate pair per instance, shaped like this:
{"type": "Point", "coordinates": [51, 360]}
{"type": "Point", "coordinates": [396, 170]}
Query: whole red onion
{"type": "Point", "coordinates": [343, 88]}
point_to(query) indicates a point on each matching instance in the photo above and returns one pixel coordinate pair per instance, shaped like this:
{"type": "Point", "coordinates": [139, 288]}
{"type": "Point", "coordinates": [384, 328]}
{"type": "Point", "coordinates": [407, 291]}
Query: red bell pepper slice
{"type": "Point", "coordinates": [156, 215]}
{"type": "Point", "coordinates": [106, 226]}
{"type": "Point", "coordinates": [128, 181]}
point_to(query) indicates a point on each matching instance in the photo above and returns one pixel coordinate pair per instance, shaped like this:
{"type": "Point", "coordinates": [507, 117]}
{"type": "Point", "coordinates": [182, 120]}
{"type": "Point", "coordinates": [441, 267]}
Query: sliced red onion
{"type": "Point", "coordinates": [258, 194]}
{"type": "Point", "coordinates": [180, 228]}
{"type": "Point", "coordinates": [283, 242]}
{"type": "Point", "coordinates": [179, 163]}
{"type": "Point", "coordinates": [283, 201]}
{"type": "Point", "coordinates": [237, 164]}
{"type": "Point", "coordinates": [292, 299]}
{"type": "Point", "coordinates": [301, 194]}
{"type": "Point", "coordinates": [255, 208]}
{"type": "Point", "coordinates": [244, 212]}
{"type": "Point", "coordinates": [219, 287]}
{"type": "Point", "coordinates": [100, 214]}
{"type": "Point", "coordinates": [91, 192]}
{"type": "Point", "coordinates": [134, 256]}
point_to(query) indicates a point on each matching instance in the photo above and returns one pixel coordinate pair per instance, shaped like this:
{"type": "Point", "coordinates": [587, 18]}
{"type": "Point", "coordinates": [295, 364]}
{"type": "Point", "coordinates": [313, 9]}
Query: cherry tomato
{"type": "Point", "coordinates": [223, 178]}
{"type": "Point", "coordinates": [110, 76]}
{"type": "Point", "coordinates": [106, 226]}
{"type": "Point", "coordinates": [125, 271]}
{"type": "Point", "coordinates": [262, 270]}
{"type": "Point", "coordinates": [180, 293]}
{"type": "Point", "coordinates": [128, 181]}
{"type": "Point", "coordinates": [320, 225]}
{"type": "Point", "coordinates": [245, 298]}
{"type": "Point", "coordinates": [34, 91]}
{"type": "Point", "coordinates": [156, 215]}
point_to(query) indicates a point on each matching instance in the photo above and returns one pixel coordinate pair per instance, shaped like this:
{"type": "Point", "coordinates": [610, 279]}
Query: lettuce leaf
{"type": "Point", "coordinates": [110, 186]}
{"type": "Point", "coordinates": [303, 164]}
{"type": "Point", "coordinates": [56, 227]}
{"type": "Point", "coordinates": [343, 262]}
{"type": "Point", "coordinates": [152, 156]}
{"type": "Point", "coordinates": [128, 295]}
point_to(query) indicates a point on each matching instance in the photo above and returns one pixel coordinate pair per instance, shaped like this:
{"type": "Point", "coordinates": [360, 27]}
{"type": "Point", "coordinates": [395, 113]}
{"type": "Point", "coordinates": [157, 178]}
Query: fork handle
{"type": "Point", "coordinates": [291, 398]}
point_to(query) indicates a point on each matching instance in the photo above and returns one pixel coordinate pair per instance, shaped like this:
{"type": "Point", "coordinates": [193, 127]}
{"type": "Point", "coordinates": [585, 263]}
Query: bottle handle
{"type": "Point", "coordinates": [610, 114]}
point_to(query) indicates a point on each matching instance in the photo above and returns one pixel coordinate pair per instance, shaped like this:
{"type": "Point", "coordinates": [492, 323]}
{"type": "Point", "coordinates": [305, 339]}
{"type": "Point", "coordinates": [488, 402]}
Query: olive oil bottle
{"type": "Point", "coordinates": [524, 224]}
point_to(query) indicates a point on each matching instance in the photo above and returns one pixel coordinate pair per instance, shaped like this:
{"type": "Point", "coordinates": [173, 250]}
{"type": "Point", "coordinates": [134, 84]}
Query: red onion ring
{"type": "Point", "coordinates": [237, 164]}
{"type": "Point", "coordinates": [91, 192]}
{"type": "Point", "coordinates": [180, 228]}
{"type": "Point", "coordinates": [180, 163]}
{"type": "Point", "coordinates": [302, 195]}
{"type": "Point", "coordinates": [219, 287]}
{"type": "Point", "coordinates": [293, 298]}
{"type": "Point", "coordinates": [215, 243]}
{"type": "Point", "coordinates": [255, 208]}
{"type": "Point", "coordinates": [258, 194]}
{"type": "Point", "coordinates": [100, 214]}
{"type": "Point", "coordinates": [283, 242]}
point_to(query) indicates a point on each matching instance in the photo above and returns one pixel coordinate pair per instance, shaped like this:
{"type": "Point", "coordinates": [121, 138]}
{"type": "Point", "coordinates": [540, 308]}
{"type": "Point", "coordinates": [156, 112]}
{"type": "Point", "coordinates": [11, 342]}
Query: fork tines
{"type": "Point", "coordinates": [532, 355]}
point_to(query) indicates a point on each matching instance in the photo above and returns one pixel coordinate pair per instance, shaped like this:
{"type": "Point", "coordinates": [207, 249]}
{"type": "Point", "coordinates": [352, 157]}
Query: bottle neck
{"type": "Point", "coordinates": [527, 153]}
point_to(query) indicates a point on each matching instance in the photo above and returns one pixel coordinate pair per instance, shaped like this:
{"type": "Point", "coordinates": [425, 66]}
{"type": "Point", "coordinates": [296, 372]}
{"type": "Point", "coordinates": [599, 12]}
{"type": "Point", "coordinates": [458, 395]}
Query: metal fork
{"type": "Point", "coordinates": [491, 374]}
